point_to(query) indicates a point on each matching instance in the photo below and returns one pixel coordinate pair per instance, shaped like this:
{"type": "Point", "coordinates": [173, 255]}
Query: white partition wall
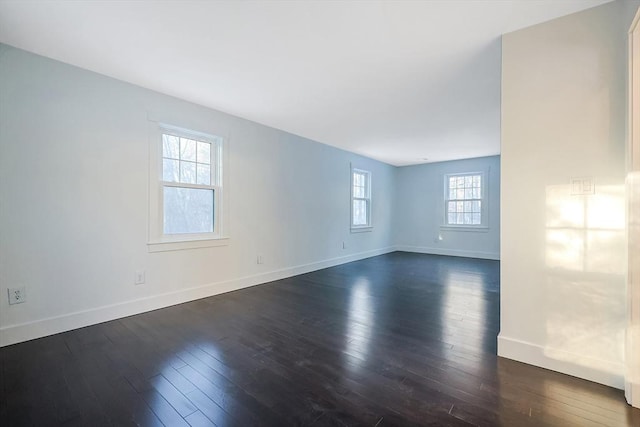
{"type": "Point", "coordinates": [563, 232]}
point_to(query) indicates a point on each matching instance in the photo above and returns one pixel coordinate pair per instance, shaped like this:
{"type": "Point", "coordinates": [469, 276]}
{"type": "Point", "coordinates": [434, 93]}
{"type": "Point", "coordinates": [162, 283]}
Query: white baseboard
{"type": "Point", "coordinates": [607, 373]}
{"type": "Point", "coordinates": [632, 393]}
{"type": "Point", "coordinates": [448, 252]}
{"type": "Point", "coordinates": [13, 334]}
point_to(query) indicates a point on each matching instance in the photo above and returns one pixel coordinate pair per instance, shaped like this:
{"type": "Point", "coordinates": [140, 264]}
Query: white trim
{"type": "Point", "coordinates": [632, 333]}
{"type": "Point", "coordinates": [367, 198]}
{"type": "Point", "coordinates": [609, 373]}
{"type": "Point", "coordinates": [636, 22]}
{"type": "Point", "coordinates": [156, 239]}
{"type": "Point", "coordinates": [632, 393]}
{"type": "Point", "coordinates": [165, 246]}
{"type": "Point", "coordinates": [188, 133]}
{"type": "Point", "coordinates": [472, 228]}
{"type": "Point", "coordinates": [13, 334]}
{"type": "Point", "coordinates": [449, 252]}
{"type": "Point", "coordinates": [363, 229]}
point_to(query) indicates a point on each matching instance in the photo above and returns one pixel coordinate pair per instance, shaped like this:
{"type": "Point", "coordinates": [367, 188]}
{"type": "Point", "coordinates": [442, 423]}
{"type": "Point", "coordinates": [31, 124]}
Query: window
{"type": "Point", "coordinates": [186, 187]}
{"type": "Point", "coordinates": [464, 200]}
{"type": "Point", "coordinates": [360, 199]}
{"type": "Point", "coordinates": [189, 184]}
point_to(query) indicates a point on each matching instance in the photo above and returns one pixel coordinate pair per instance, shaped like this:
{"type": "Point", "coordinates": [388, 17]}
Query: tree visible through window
{"type": "Point", "coordinates": [464, 199]}
{"type": "Point", "coordinates": [189, 184]}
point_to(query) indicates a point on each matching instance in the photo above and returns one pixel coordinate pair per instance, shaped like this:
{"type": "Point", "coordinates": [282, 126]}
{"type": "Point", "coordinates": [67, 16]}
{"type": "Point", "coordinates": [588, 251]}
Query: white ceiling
{"type": "Point", "coordinates": [398, 81]}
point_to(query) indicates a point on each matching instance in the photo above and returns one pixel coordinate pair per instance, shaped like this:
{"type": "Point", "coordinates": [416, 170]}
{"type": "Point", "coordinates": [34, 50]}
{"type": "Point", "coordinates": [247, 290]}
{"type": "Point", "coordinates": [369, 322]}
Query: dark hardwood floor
{"type": "Point", "coordinates": [401, 339]}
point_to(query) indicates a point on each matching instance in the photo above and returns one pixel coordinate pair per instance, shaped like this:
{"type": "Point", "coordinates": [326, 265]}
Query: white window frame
{"type": "Point", "coordinates": [159, 241]}
{"type": "Point", "coordinates": [367, 198]}
{"type": "Point", "coordinates": [484, 199]}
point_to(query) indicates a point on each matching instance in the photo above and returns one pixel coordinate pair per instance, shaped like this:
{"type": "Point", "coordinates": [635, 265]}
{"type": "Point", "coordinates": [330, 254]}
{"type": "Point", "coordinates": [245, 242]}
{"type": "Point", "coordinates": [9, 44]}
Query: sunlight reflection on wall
{"type": "Point", "coordinates": [586, 264]}
{"type": "Point", "coordinates": [586, 233]}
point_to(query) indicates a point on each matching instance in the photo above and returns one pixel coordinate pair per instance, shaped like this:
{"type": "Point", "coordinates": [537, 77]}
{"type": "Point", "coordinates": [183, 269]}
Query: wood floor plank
{"type": "Point", "coordinates": [198, 419]}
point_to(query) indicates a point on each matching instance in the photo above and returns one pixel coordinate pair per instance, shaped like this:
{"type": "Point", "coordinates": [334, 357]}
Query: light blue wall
{"type": "Point", "coordinates": [419, 210]}
{"type": "Point", "coordinates": [74, 168]}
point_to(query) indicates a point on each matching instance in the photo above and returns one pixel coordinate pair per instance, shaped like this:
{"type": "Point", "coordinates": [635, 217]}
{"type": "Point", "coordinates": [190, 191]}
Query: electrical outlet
{"type": "Point", "coordinates": [17, 295]}
{"type": "Point", "coordinates": [260, 260]}
{"type": "Point", "coordinates": [139, 277]}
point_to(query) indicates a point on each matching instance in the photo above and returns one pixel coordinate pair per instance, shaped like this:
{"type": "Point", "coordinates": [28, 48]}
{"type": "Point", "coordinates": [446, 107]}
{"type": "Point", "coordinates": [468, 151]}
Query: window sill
{"type": "Point", "coordinates": [178, 245]}
{"type": "Point", "coordinates": [361, 229]}
{"type": "Point", "coordinates": [472, 228]}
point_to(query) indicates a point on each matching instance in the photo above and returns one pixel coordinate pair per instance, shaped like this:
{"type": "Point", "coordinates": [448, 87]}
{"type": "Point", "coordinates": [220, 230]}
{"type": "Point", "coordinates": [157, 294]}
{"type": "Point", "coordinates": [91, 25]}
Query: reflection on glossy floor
{"type": "Point", "coordinates": [401, 339]}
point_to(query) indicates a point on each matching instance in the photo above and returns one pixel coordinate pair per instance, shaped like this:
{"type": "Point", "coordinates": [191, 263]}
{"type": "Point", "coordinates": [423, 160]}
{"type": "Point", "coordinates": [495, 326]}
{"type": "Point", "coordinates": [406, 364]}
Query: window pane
{"type": "Point", "coordinates": [358, 191]}
{"type": "Point", "coordinates": [188, 172]}
{"type": "Point", "coordinates": [170, 146]}
{"type": "Point", "coordinates": [187, 210]}
{"type": "Point", "coordinates": [204, 152]}
{"type": "Point", "coordinates": [170, 170]}
{"type": "Point", "coordinates": [463, 198]}
{"type": "Point", "coordinates": [359, 212]}
{"type": "Point", "coordinates": [204, 174]}
{"type": "Point", "coordinates": [187, 149]}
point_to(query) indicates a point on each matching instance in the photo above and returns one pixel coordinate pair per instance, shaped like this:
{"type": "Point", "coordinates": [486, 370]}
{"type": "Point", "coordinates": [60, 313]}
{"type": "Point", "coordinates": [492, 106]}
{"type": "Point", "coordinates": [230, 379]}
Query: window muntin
{"type": "Point", "coordinates": [186, 160]}
{"type": "Point", "coordinates": [190, 184]}
{"type": "Point", "coordinates": [360, 199]}
{"type": "Point", "coordinates": [464, 200]}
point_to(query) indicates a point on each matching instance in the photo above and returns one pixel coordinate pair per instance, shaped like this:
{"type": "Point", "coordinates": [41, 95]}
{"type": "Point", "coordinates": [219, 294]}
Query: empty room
{"type": "Point", "coordinates": [320, 213]}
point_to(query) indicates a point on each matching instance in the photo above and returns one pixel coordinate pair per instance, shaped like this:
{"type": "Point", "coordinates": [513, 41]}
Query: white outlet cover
{"type": "Point", "coordinates": [139, 278]}
{"type": "Point", "coordinates": [17, 295]}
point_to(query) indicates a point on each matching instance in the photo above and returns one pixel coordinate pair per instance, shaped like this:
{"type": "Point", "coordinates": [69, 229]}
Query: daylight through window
{"type": "Point", "coordinates": [361, 199]}
{"type": "Point", "coordinates": [190, 184]}
{"type": "Point", "coordinates": [464, 199]}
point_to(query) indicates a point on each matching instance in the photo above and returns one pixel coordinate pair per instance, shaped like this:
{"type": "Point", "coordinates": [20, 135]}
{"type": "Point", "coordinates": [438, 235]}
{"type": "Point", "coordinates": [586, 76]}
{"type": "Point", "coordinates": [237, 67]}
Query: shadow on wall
{"type": "Point", "coordinates": [585, 257]}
